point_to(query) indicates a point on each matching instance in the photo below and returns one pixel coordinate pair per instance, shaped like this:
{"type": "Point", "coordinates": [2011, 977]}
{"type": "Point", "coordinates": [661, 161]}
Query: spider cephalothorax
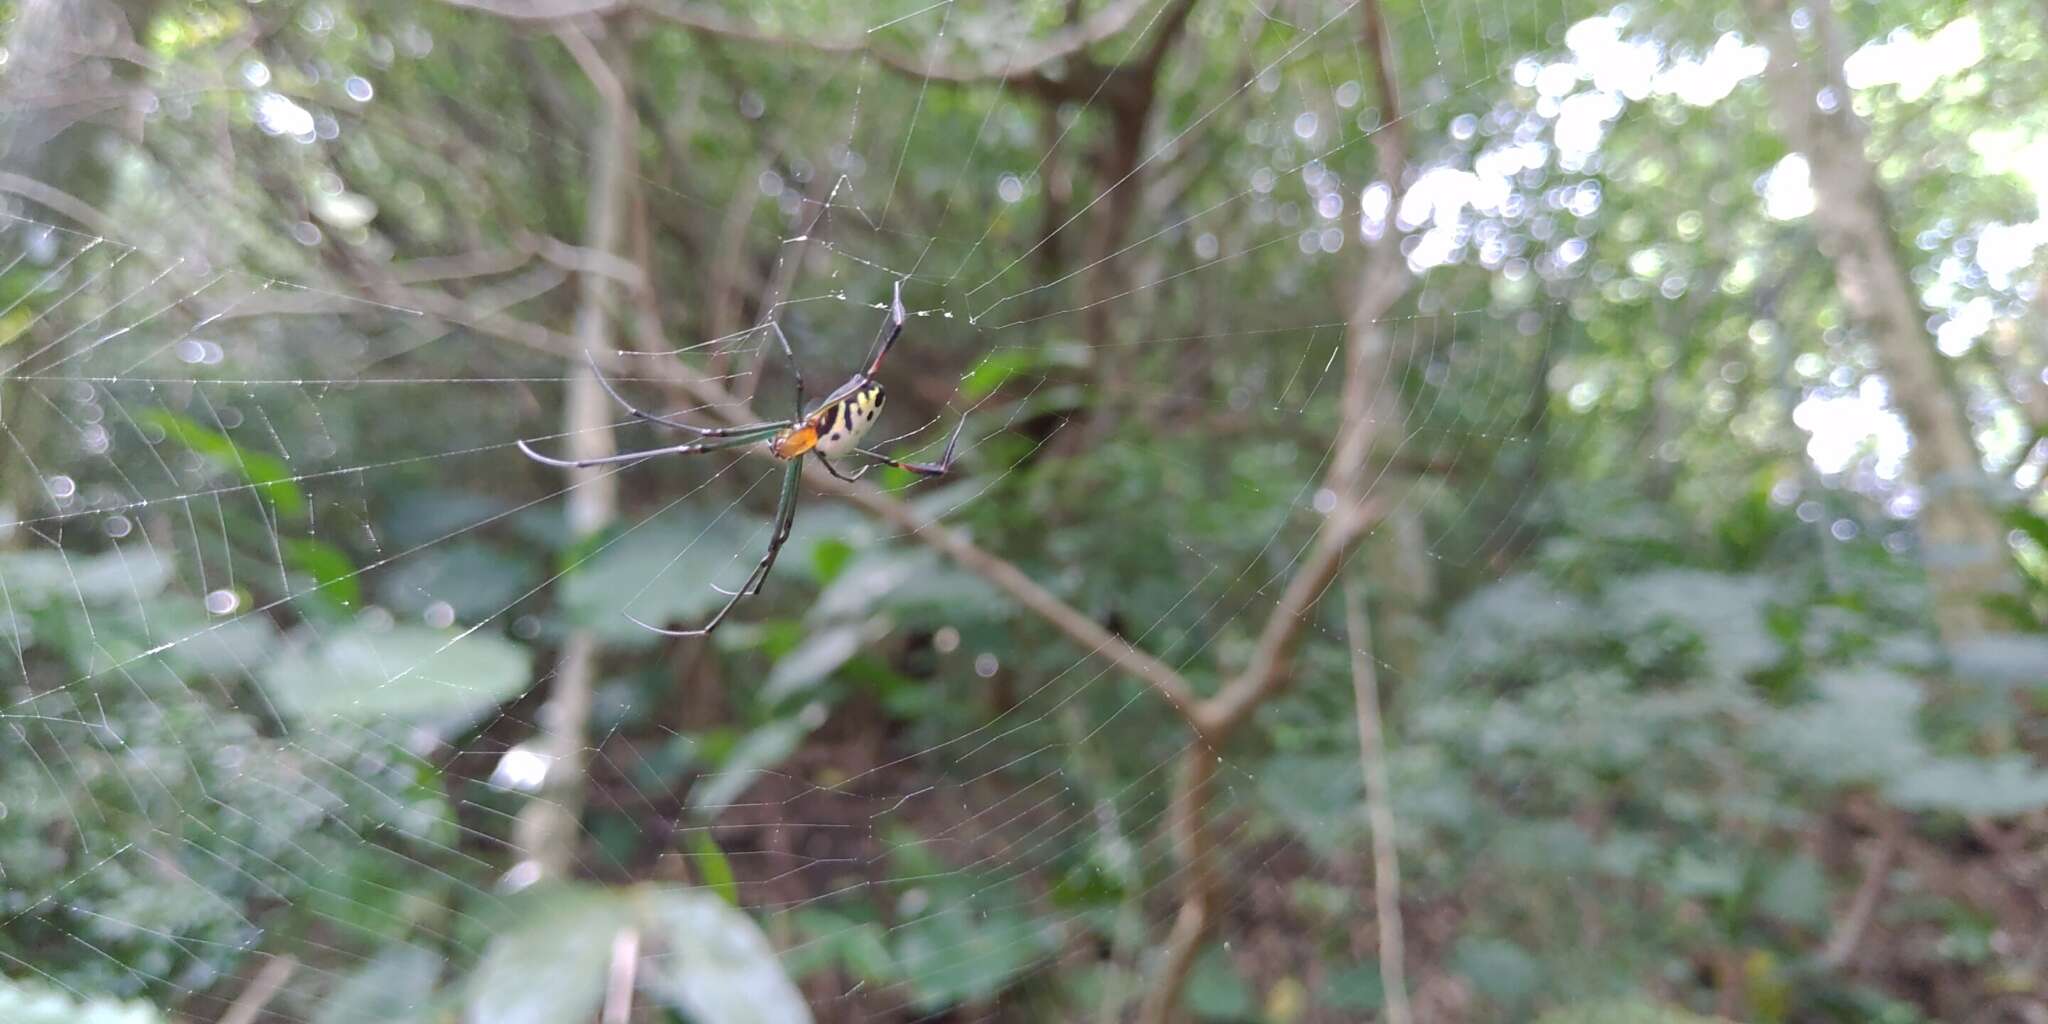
{"type": "Point", "coordinates": [831, 430]}
{"type": "Point", "coordinates": [836, 426]}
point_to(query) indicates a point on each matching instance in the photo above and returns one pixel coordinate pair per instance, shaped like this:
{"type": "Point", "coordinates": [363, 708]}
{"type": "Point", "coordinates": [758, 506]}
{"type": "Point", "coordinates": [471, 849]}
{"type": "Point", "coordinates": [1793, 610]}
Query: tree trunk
{"type": "Point", "coordinates": [1960, 528]}
{"type": "Point", "coordinates": [550, 824]}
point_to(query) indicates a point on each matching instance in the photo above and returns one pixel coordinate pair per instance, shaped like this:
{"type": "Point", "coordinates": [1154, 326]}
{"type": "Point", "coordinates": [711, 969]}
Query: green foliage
{"type": "Point", "coordinates": [158, 811]}
{"type": "Point", "coordinates": [960, 936]}
{"type": "Point", "coordinates": [395, 987]}
{"type": "Point", "coordinates": [366, 672]}
{"type": "Point", "coordinates": [1498, 969]}
{"type": "Point", "coordinates": [1216, 991]}
{"type": "Point", "coordinates": [664, 564]}
{"type": "Point", "coordinates": [1647, 656]}
{"type": "Point", "coordinates": [700, 957]}
{"type": "Point", "coordinates": [267, 473]}
{"type": "Point", "coordinates": [1622, 1012]}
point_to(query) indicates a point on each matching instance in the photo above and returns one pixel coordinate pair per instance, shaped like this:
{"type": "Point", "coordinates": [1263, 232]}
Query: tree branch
{"type": "Point", "coordinates": [59, 201]}
{"type": "Point", "coordinates": [262, 989]}
{"type": "Point", "coordinates": [1172, 23]}
{"type": "Point", "coordinates": [1267, 669]}
{"type": "Point", "coordinates": [1385, 280]}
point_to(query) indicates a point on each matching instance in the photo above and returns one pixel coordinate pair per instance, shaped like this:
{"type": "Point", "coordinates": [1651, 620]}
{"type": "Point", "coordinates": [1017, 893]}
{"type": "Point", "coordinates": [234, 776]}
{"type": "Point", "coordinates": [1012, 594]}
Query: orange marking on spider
{"type": "Point", "coordinates": [794, 442]}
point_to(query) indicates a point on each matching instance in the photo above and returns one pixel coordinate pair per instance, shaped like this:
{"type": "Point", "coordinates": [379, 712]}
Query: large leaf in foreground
{"type": "Point", "coordinates": [394, 987]}
{"type": "Point", "coordinates": [710, 961]}
{"type": "Point", "coordinates": [366, 672]}
{"type": "Point", "coordinates": [662, 571]}
{"type": "Point", "coordinates": [698, 955]}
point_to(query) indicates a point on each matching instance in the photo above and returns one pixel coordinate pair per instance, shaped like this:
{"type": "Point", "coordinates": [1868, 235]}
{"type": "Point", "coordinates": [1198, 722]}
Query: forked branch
{"type": "Point", "coordinates": [1384, 279]}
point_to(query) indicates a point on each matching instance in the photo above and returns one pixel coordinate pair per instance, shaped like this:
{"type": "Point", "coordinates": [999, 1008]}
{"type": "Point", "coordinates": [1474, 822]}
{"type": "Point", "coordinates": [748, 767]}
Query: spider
{"type": "Point", "coordinates": [831, 430]}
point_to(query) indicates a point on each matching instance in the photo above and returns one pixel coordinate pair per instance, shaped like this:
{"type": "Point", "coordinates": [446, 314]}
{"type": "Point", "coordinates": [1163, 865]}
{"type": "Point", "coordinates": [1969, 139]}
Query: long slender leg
{"type": "Point", "coordinates": [796, 372]}
{"type": "Point", "coordinates": [926, 469]}
{"type": "Point", "coordinates": [785, 516]}
{"type": "Point", "coordinates": [896, 318]}
{"type": "Point", "coordinates": [642, 414]}
{"type": "Point", "coordinates": [834, 470]}
{"type": "Point", "coordinates": [785, 521]}
{"type": "Point", "coordinates": [691, 448]}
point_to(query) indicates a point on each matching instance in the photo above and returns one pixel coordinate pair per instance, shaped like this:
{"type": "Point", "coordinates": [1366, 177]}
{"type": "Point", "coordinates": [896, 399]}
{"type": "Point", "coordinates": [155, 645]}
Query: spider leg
{"type": "Point", "coordinates": [785, 516]}
{"type": "Point", "coordinates": [691, 448]}
{"type": "Point", "coordinates": [796, 373]}
{"type": "Point", "coordinates": [834, 470]}
{"type": "Point", "coordinates": [642, 414]}
{"type": "Point", "coordinates": [896, 318]}
{"type": "Point", "coordinates": [924, 469]}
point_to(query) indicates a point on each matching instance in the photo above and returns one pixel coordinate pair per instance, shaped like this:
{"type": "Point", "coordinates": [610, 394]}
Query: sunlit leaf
{"type": "Point", "coordinates": [995, 369]}
{"type": "Point", "coordinates": [2003, 659]}
{"type": "Point", "coordinates": [394, 987]}
{"type": "Point", "coordinates": [475, 579]}
{"type": "Point", "coordinates": [708, 960]}
{"type": "Point", "coordinates": [814, 659]}
{"type": "Point", "coordinates": [1998, 788]}
{"type": "Point", "coordinates": [547, 964]}
{"type": "Point", "coordinates": [662, 571]}
{"type": "Point", "coordinates": [698, 955]}
{"type": "Point", "coordinates": [1725, 612]}
{"type": "Point", "coordinates": [1862, 728]}
{"type": "Point", "coordinates": [363, 672]}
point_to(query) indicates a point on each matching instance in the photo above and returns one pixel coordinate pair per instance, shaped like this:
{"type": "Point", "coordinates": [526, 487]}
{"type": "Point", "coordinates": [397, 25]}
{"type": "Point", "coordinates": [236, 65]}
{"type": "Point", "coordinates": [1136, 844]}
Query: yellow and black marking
{"type": "Point", "coordinates": [834, 428]}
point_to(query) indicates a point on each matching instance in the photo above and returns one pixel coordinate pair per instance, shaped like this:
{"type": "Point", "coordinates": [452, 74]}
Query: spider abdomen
{"type": "Point", "coordinates": [842, 424]}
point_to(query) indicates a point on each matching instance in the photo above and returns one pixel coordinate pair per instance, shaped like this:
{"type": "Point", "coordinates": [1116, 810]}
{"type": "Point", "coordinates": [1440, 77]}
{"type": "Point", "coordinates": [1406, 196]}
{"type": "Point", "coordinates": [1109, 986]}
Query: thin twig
{"type": "Point", "coordinates": [262, 989]}
{"type": "Point", "coordinates": [59, 201]}
{"type": "Point", "coordinates": [618, 992]}
{"type": "Point", "coordinates": [1849, 930]}
{"type": "Point", "coordinates": [1379, 806]}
